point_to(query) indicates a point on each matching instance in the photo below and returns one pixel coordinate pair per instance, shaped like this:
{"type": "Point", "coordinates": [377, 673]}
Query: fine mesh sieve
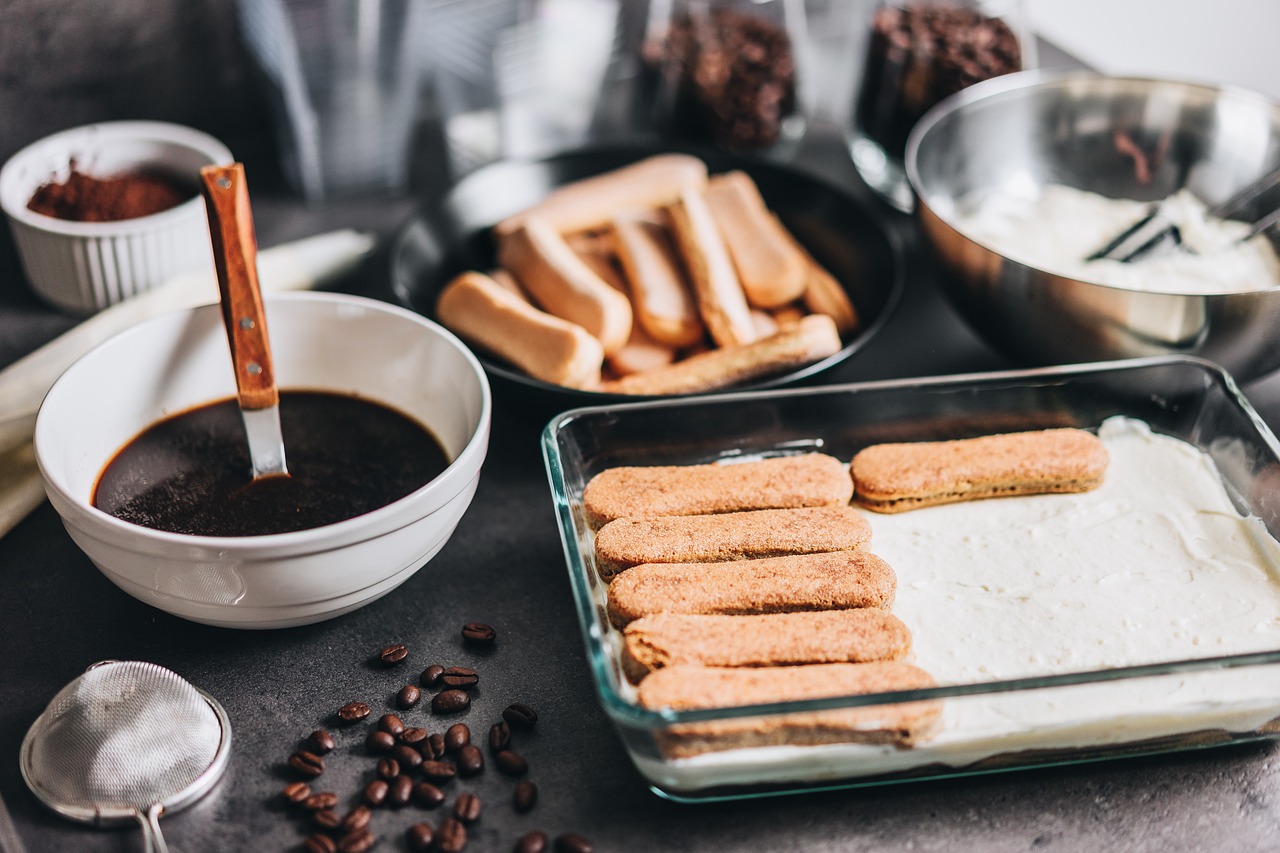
{"type": "Point", "coordinates": [127, 740]}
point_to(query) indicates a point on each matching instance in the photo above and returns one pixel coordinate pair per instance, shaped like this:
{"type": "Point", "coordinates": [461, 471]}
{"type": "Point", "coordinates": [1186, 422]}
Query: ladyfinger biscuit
{"type": "Point", "coordinates": [776, 639]}
{"type": "Point", "coordinates": [627, 542]}
{"type": "Point", "coordinates": [592, 202]}
{"type": "Point", "coordinates": [812, 339]}
{"type": "Point", "coordinates": [686, 687]}
{"type": "Point", "coordinates": [596, 251]}
{"type": "Point", "coordinates": [546, 347]}
{"type": "Point", "coordinates": [642, 353]}
{"type": "Point", "coordinates": [899, 477]}
{"type": "Point", "coordinates": [832, 580]}
{"type": "Point", "coordinates": [660, 295]}
{"type": "Point", "coordinates": [811, 479]}
{"type": "Point", "coordinates": [561, 284]}
{"type": "Point", "coordinates": [823, 294]}
{"type": "Point", "coordinates": [717, 291]}
{"type": "Point", "coordinates": [771, 268]}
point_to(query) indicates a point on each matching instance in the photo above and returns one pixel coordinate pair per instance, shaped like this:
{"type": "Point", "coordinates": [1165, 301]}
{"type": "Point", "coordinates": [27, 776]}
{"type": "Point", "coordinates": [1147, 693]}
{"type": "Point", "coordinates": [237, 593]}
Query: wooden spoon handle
{"type": "Point", "coordinates": [235, 252]}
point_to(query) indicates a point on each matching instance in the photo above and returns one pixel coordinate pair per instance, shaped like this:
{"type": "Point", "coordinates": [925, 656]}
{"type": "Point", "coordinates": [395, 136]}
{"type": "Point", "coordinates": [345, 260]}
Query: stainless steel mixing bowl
{"type": "Point", "coordinates": [1027, 130]}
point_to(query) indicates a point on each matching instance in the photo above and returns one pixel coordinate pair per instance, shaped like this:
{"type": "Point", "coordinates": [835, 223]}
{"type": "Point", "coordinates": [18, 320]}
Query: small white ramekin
{"type": "Point", "coordinates": [84, 267]}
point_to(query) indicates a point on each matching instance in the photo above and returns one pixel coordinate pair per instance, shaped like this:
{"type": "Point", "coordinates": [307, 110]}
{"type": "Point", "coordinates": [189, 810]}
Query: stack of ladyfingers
{"type": "Point", "coordinates": [753, 582]}
{"type": "Point", "coordinates": [652, 279]}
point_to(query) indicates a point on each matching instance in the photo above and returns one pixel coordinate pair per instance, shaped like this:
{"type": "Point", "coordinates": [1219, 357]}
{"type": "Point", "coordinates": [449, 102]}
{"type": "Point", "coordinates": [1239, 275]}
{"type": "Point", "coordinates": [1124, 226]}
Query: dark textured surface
{"type": "Point", "coordinates": [504, 566]}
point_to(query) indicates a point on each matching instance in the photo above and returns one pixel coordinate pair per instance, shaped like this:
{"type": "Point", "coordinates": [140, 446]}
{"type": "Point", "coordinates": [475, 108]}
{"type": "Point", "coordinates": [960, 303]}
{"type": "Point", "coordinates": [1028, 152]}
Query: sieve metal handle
{"type": "Point", "coordinates": [152, 837]}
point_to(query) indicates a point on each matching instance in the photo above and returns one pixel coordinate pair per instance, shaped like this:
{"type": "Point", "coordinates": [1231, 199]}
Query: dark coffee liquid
{"type": "Point", "coordinates": [191, 473]}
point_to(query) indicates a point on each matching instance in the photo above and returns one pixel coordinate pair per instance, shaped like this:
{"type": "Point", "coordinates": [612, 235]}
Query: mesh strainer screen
{"type": "Point", "coordinates": [125, 734]}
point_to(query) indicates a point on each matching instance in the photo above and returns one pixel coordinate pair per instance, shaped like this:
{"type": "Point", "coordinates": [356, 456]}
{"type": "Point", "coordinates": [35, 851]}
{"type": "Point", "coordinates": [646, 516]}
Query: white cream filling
{"type": "Point", "coordinates": [1057, 229]}
{"type": "Point", "coordinates": [1154, 565]}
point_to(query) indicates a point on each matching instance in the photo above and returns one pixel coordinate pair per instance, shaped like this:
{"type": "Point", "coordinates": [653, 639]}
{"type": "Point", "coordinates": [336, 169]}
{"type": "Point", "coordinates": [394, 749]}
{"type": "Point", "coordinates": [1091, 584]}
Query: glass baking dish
{"type": "Point", "coordinates": [1194, 701]}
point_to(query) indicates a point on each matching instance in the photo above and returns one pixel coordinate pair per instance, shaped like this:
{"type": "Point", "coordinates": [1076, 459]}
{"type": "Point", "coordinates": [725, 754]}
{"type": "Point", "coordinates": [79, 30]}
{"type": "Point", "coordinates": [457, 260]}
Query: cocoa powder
{"type": "Point", "coordinates": [83, 198]}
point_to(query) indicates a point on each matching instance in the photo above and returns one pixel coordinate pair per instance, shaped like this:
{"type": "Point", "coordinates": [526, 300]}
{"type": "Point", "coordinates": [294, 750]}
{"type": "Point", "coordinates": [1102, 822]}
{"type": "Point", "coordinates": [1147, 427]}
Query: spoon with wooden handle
{"type": "Point", "coordinates": [235, 250]}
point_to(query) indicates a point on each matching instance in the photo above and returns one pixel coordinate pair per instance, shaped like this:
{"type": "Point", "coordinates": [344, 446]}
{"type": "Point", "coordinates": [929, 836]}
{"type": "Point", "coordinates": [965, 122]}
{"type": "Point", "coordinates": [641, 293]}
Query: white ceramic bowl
{"type": "Point", "coordinates": [85, 266]}
{"type": "Point", "coordinates": [319, 341]}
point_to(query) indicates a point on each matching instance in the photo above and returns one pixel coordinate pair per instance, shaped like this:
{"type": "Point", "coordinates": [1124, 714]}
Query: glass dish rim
{"type": "Point", "coordinates": [625, 711]}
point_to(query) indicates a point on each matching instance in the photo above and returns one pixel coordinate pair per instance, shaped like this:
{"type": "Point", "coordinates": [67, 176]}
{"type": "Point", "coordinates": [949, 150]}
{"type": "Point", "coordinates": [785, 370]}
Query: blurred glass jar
{"type": "Point", "coordinates": [729, 72]}
{"type": "Point", "coordinates": [917, 53]}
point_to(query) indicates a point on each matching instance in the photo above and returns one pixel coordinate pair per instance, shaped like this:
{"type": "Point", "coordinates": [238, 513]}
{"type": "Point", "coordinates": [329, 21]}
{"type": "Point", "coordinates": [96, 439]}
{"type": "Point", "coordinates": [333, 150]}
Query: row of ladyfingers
{"type": "Point", "coordinates": [670, 280]}
{"type": "Point", "coordinates": [750, 582]}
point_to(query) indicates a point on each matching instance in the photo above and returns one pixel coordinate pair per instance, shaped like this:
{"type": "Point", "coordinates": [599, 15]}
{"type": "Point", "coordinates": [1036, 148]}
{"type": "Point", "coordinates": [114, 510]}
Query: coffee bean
{"type": "Point", "coordinates": [435, 743]}
{"type": "Point", "coordinates": [478, 634]}
{"type": "Point", "coordinates": [375, 793]}
{"type": "Point", "coordinates": [307, 763]}
{"type": "Point", "coordinates": [427, 795]}
{"type": "Point", "coordinates": [431, 676]}
{"type": "Point", "coordinates": [327, 819]}
{"type": "Point", "coordinates": [378, 742]}
{"type": "Point", "coordinates": [499, 736]}
{"type": "Point", "coordinates": [413, 735]}
{"type": "Point", "coordinates": [353, 712]}
{"type": "Point", "coordinates": [401, 791]}
{"type": "Point", "coordinates": [520, 716]}
{"type": "Point", "coordinates": [357, 818]}
{"type": "Point", "coordinates": [319, 843]}
{"type": "Point", "coordinates": [295, 792]}
{"type": "Point", "coordinates": [451, 837]}
{"type": "Point", "coordinates": [532, 842]}
{"type": "Point", "coordinates": [320, 802]}
{"type": "Point", "coordinates": [388, 768]}
{"type": "Point", "coordinates": [511, 763]}
{"type": "Point", "coordinates": [526, 796]}
{"type": "Point", "coordinates": [460, 676]}
{"type": "Point", "coordinates": [320, 742]}
{"type": "Point", "coordinates": [420, 837]}
{"type": "Point", "coordinates": [452, 701]}
{"type": "Point", "coordinates": [439, 771]}
{"type": "Point", "coordinates": [408, 757]}
{"type": "Point", "coordinates": [391, 724]}
{"type": "Point", "coordinates": [393, 654]}
{"type": "Point", "coordinates": [408, 697]}
{"type": "Point", "coordinates": [470, 760]}
{"type": "Point", "coordinates": [467, 807]}
{"type": "Point", "coordinates": [572, 843]}
{"type": "Point", "coordinates": [457, 736]}
{"type": "Point", "coordinates": [360, 841]}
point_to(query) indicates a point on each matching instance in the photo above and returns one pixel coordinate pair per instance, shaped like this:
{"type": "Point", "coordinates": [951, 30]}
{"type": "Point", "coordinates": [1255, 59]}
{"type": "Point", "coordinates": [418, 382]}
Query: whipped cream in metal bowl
{"type": "Point", "coordinates": [1058, 227]}
{"type": "Point", "coordinates": [1157, 564]}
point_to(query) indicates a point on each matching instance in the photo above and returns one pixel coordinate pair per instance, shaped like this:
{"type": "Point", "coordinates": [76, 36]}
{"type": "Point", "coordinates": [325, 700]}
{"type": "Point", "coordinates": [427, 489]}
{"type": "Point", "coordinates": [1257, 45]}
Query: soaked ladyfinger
{"type": "Point", "coordinates": [777, 639]}
{"type": "Point", "coordinates": [811, 479]}
{"type": "Point", "coordinates": [833, 580]}
{"type": "Point", "coordinates": [898, 477]}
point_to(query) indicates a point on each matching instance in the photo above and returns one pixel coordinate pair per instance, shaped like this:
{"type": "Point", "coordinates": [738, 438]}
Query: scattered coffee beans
{"type": "Point", "coordinates": [413, 735]}
{"type": "Point", "coordinates": [435, 744]}
{"type": "Point", "coordinates": [463, 677]}
{"type": "Point", "coordinates": [532, 842]}
{"type": "Point", "coordinates": [408, 696]}
{"type": "Point", "coordinates": [295, 792]}
{"type": "Point", "coordinates": [420, 837]}
{"type": "Point", "coordinates": [511, 763]}
{"type": "Point", "coordinates": [388, 768]}
{"type": "Point", "coordinates": [470, 761]}
{"type": "Point", "coordinates": [400, 792]}
{"type": "Point", "coordinates": [452, 836]}
{"type": "Point", "coordinates": [499, 736]}
{"type": "Point", "coordinates": [439, 771]}
{"type": "Point", "coordinates": [393, 654]}
{"type": "Point", "coordinates": [451, 701]}
{"type": "Point", "coordinates": [320, 742]}
{"type": "Point", "coordinates": [431, 676]}
{"type": "Point", "coordinates": [427, 795]}
{"type": "Point", "coordinates": [525, 797]}
{"type": "Point", "coordinates": [357, 818]}
{"type": "Point", "coordinates": [458, 736]}
{"type": "Point", "coordinates": [375, 793]}
{"type": "Point", "coordinates": [307, 763]}
{"type": "Point", "coordinates": [478, 634]}
{"type": "Point", "coordinates": [320, 843]}
{"type": "Point", "coordinates": [408, 757]}
{"type": "Point", "coordinates": [467, 808]}
{"type": "Point", "coordinates": [572, 843]}
{"type": "Point", "coordinates": [327, 819]}
{"type": "Point", "coordinates": [520, 716]}
{"type": "Point", "coordinates": [378, 742]}
{"type": "Point", "coordinates": [360, 841]}
{"type": "Point", "coordinates": [353, 712]}
{"type": "Point", "coordinates": [391, 724]}
{"type": "Point", "coordinates": [320, 801]}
